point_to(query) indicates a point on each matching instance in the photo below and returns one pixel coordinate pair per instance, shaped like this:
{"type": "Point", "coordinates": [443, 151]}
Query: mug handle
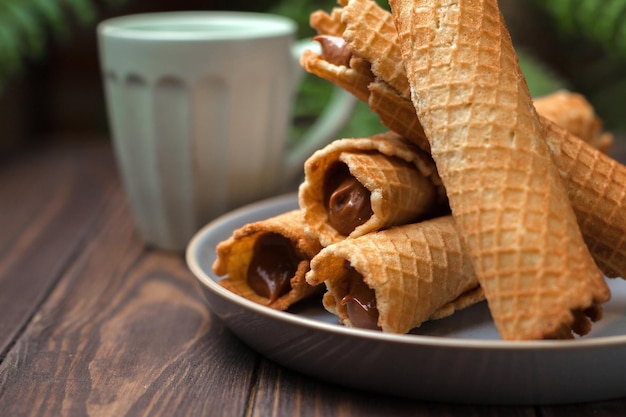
{"type": "Point", "coordinates": [334, 116]}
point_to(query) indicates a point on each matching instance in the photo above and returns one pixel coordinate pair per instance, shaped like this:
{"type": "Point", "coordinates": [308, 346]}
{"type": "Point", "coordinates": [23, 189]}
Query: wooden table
{"type": "Point", "coordinates": [92, 323]}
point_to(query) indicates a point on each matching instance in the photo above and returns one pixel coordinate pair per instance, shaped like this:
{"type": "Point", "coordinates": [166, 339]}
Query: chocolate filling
{"type": "Point", "coordinates": [360, 301]}
{"type": "Point", "coordinates": [335, 50]}
{"type": "Point", "coordinates": [274, 262]}
{"type": "Point", "coordinates": [346, 200]}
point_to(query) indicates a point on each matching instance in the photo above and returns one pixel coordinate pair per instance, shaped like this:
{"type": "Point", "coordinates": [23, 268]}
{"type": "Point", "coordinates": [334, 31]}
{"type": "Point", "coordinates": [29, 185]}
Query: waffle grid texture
{"type": "Point", "coordinates": [596, 190]}
{"type": "Point", "coordinates": [416, 270]}
{"type": "Point", "coordinates": [371, 33]}
{"type": "Point", "coordinates": [487, 141]}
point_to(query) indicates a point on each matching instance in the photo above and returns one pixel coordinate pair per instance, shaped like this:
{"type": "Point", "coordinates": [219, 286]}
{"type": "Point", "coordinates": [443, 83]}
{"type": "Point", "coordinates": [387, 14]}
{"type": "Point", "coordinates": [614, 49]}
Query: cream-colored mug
{"type": "Point", "coordinates": [199, 107]}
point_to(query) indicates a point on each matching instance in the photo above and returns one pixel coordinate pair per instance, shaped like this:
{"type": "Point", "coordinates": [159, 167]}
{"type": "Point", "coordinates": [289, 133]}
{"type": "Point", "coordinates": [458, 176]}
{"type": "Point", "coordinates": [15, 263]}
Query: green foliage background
{"type": "Point", "coordinates": [27, 28]}
{"type": "Point", "coordinates": [590, 53]}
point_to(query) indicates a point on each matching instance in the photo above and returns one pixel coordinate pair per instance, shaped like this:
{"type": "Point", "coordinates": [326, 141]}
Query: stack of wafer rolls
{"type": "Point", "coordinates": [535, 203]}
{"type": "Point", "coordinates": [266, 261]}
{"type": "Point", "coordinates": [573, 158]}
{"type": "Point", "coordinates": [398, 113]}
{"type": "Point", "coordinates": [402, 263]}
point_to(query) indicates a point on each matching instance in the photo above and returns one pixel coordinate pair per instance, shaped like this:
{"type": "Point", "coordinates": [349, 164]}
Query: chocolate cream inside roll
{"type": "Point", "coordinates": [334, 50]}
{"type": "Point", "coordinates": [347, 201]}
{"type": "Point", "coordinates": [396, 279]}
{"type": "Point", "coordinates": [359, 300]}
{"type": "Point", "coordinates": [274, 262]}
{"type": "Point", "coordinates": [266, 261]}
{"type": "Point", "coordinates": [355, 186]}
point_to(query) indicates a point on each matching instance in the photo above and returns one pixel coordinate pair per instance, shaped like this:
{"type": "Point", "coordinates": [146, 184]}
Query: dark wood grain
{"type": "Point", "coordinates": [615, 408]}
{"type": "Point", "coordinates": [124, 332]}
{"type": "Point", "coordinates": [48, 199]}
{"type": "Point", "coordinates": [282, 392]}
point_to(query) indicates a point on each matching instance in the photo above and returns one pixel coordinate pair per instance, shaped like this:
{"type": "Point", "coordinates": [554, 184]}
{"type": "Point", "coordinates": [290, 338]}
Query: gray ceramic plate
{"type": "Point", "coordinates": [458, 359]}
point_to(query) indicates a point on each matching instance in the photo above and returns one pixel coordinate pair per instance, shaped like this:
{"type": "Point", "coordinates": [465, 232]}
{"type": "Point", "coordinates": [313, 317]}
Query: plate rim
{"type": "Point", "coordinates": [211, 284]}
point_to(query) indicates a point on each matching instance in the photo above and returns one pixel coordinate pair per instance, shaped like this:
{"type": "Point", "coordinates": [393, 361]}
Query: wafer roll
{"type": "Point", "coordinates": [573, 112]}
{"type": "Point", "coordinates": [336, 63]}
{"type": "Point", "coordinates": [596, 187]}
{"type": "Point", "coordinates": [396, 279]}
{"type": "Point", "coordinates": [354, 186]}
{"type": "Point", "coordinates": [397, 113]}
{"type": "Point", "coordinates": [266, 261]}
{"type": "Point", "coordinates": [354, 78]}
{"type": "Point", "coordinates": [506, 196]}
{"type": "Point", "coordinates": [371, 34]}
{"type": "Point", "coordinates": [327, 24]}
{"type": "Point", "coordinates": [394, 112]}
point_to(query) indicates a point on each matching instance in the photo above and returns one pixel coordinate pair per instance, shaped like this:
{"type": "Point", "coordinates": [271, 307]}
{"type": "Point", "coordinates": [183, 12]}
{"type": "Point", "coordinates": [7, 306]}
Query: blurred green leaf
{"type": "Point", "coordinates": [603, 21]}
{"type": "Point", "coordinates": [591, 37]}
{"type": "Point", "coordinates": [27, 26]}
{"type": "Point", "coordinates": [540, 78]}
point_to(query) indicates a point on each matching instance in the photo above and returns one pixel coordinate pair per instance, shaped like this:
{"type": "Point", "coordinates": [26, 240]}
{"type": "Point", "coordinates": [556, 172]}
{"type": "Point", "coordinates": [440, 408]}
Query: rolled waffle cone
{"type": "Point", "coordinates": [237, 253]}
{"type": "Point", "coordinates": [573, 112]}
{"type": "Point", "coordinates": [375, 74]}
{"type": "Point", "coordinates": [401, 179]}
{"type": "Point", "coordinates": [506, 196]}
{"type": "Point", "coordinates": [417, 272]}
{"type": "Point", "coordinates": [371, 34]}
{"type": "Point", "coordinates": [397, 113]}
{"type": "Point", "coordinates": [327, 24]}
{"type": "Point", "coordinates": [596, 186]}
{"type": "Point", "coordinates": [354, 78]}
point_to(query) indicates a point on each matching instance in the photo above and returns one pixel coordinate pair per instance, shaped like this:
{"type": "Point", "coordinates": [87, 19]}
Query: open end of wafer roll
{"type": "Point", "coordinates": [346, 200]}
{"type": "Point", "coordinates": [354, 77]}
{"type": "Point", "coordinates": [355, 303]}
{"type": "Point", "coordinates": [352, 300]}
{"type": "Point", "coordinates": [266, 261]}
{"type": "Point", "coordinates": [354, 186]}
{"type": "Point", "coordinates": [398, 278]}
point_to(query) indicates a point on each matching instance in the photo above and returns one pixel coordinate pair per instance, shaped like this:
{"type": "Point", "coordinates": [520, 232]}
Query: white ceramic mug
{"type": "Point", "coordinates": [199, 107]}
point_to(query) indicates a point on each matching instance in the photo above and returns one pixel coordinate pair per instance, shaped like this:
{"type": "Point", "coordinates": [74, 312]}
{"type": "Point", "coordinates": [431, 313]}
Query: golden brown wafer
{"type": "Point", "coordinates": [286, 236]}
{"type": "Point", "coordinates": [352, 79]}
{"type": "Point", "coordinates": [506, 196]}
{"type": "Point", "coordinates": [401, 179]}
{"type": "Point", "coordinates": [327, 24]}
{"type": "Point", "coordinates": [371, 34]}
{"type": "Point", "coordinates": [596, 186]}
{"type": "Point", "coordinates": [417, 272]}
{"type": "Point", "coordinates": [397, 113]}
{"type": "Point", "coordinates": [573, 112]}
